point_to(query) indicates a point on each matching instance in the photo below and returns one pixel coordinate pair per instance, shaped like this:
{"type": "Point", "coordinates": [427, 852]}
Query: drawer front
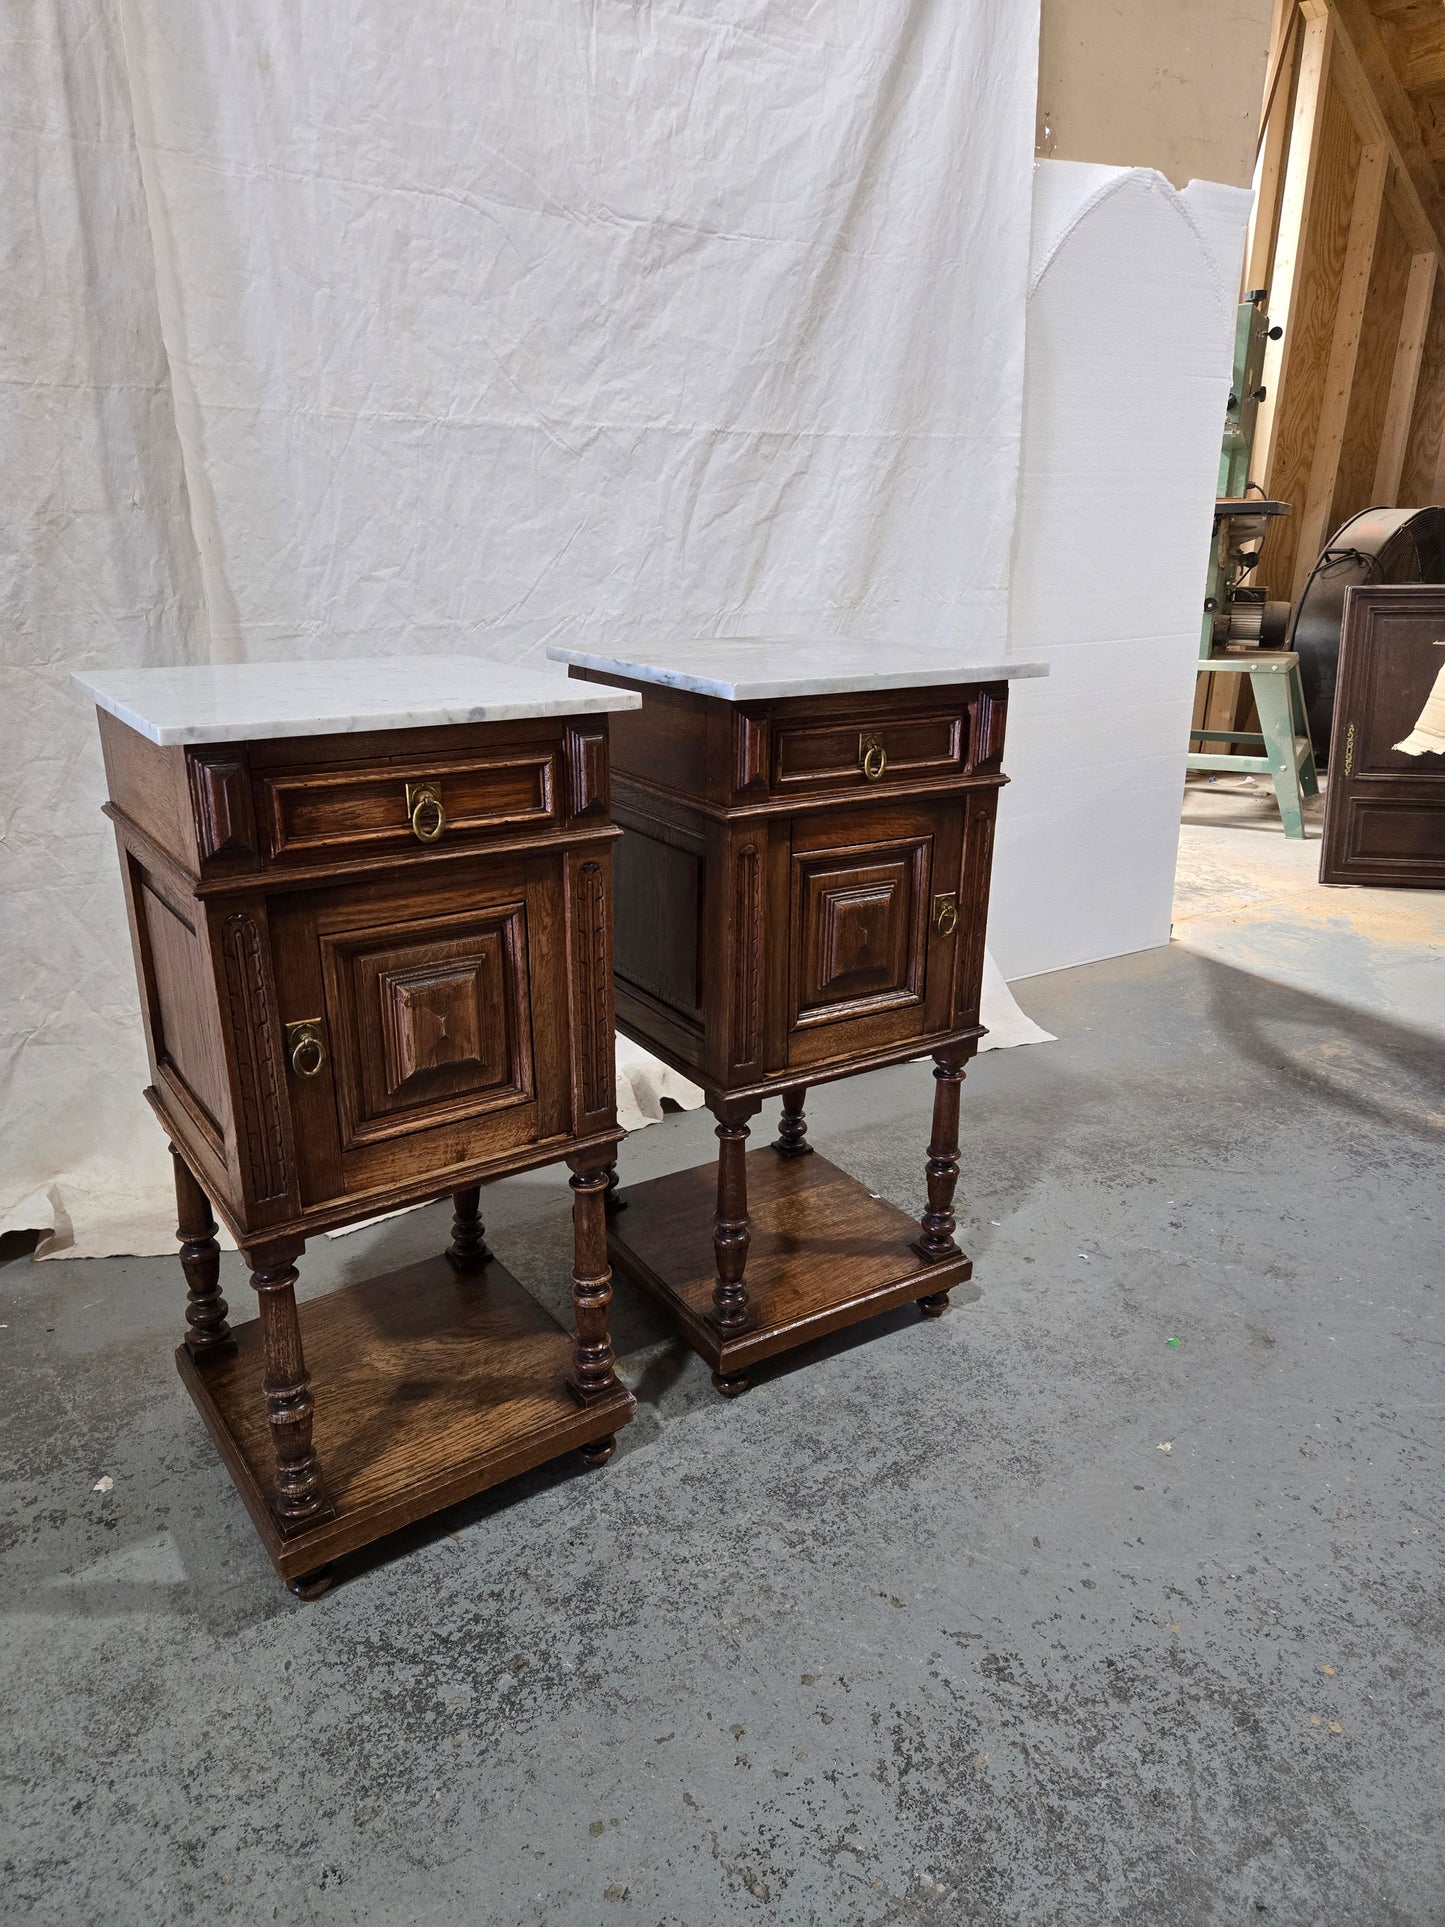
{"type": "Point", "coordinates": [874, 923]}
{"type": "Point", "coordinates": [318, 814]}
{"type": "Point", "coordinates": [424, 1028]}
{"type": "Point", "coordinates": [864, 753]}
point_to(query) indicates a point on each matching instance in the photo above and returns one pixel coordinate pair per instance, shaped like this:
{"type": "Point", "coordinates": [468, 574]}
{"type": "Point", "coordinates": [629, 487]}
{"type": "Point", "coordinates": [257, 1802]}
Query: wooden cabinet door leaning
{"type": "Point", "coordinates": [801, 893]}
{"type": "Point", "coordinates": [1385, 801]}
{"type": "Point", "coordinates": [370, 905]}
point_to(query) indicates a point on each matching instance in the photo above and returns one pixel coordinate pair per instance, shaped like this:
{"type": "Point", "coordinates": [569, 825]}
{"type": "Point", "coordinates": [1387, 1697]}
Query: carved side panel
{"type": "Point", "coordinates": [747, 1027]}
{"type": "Point", "coordinates": [221, 795]}
{"type": "Point", "coordinates": [751, 739]}
{"type": "Point", "coordinates": [594, 989]}
{"type": "Point", "coordinates": [977, 874]}
{"type": "Point", "coordinates": [985, 736]}
{"type": "Point", "coordinates": [587, 783]}
{"type": "Point", "coordinates": [185, 1027]}
{"type": "Point", "coordinates": [259, 1127]}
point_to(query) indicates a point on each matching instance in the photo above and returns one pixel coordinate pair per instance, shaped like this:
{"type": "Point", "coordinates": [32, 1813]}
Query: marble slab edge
{"type": "Point", "coordinates": [587, 700]}
{"type": "Point", "coordinates": [761, 687]}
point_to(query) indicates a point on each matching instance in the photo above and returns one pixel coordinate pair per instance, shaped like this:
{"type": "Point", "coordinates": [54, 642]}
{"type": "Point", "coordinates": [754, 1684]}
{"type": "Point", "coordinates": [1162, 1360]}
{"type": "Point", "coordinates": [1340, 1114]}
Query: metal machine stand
{"type": "Point", "coordinates": [1239, 624]}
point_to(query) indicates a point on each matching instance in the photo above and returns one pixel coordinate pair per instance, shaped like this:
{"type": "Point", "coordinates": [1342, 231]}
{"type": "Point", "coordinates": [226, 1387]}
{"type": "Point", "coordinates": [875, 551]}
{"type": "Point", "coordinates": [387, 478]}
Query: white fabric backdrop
{"type": "Point", "coordinates": [339, 330]}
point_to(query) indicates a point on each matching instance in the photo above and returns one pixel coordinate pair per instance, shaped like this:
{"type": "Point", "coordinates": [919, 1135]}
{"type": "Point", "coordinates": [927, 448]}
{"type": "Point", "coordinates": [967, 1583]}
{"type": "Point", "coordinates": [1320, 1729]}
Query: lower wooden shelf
{"type": "Point", "coordinates": [429, 1387]}
{"type": "Point", "coordinates": [824, 1253]}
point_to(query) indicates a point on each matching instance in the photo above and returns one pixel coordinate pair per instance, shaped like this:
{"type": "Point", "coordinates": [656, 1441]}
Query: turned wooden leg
{"type": "Point", "coordinates": [593, 1374]}
{"type": "Point", "coordinates": [296, 1496]}
{"type": "Point", "coordinates": [731, 1312]}
{"type": "Point", "coordinates": [792, 1138]}
{"type": "Point", "coordinates": [468, 1250]}
{"type": "Point", "coordinates": [942, 1169]}
{"type": "Point", "coordinates": [598, 1451]}
{"type": "Point", "coordinates": [612, 1198]}
{"type": "Point", "coordinates": [206, 1309]}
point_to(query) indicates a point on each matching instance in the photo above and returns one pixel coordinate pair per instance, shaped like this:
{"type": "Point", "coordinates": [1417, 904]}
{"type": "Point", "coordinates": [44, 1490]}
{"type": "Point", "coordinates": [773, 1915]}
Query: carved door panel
{"type": "Point", "coordinates": [440, 1032]}
{"type": "Point", "coordinates": [874, 916]}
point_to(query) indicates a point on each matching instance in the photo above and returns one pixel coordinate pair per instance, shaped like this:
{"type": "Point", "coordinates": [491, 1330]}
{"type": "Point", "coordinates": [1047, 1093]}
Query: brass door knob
{"type": "Point", "coordinates": [424, 807]}
{"type": "Point", "coordinates": [304, 1046]}
{"type": "Point", "coordinates": [872, 757]}
{"type": "Point", "coordinates": [945, 914]}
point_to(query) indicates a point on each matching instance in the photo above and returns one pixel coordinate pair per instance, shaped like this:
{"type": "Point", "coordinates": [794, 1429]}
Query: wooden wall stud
{"type": "Point", "coordinates": [1316, 519]}
{"type": "Point", "coordinates": [1297, 196]}
{"type": "Point", "coordinates": [1405, 378]}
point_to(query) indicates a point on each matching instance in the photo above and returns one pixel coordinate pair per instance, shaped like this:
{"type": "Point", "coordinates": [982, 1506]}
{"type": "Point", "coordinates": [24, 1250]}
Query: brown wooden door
{"type": "Point", "coordinates": [871, 937]}
{"type": "Point", "coordinates": [1384, 807]}
{"type": "Point", "coordinates": [443, 1017]}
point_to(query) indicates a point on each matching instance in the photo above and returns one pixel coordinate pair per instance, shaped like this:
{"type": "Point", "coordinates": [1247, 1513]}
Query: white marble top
{"type": "Point", "coordinates": [750, 668]}
{"type": "Point", "coordinates": [238, 701]}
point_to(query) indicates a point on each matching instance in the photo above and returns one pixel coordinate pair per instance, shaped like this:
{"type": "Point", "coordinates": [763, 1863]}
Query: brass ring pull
{"type": "Point", "coordinates": [945, 914]}
{"type": "Point", "coordinates": [424, 807]}
{"type": "Point", "coordinates": [872, 757]}
{"type": "Point", "coordinates": [308, 1053]}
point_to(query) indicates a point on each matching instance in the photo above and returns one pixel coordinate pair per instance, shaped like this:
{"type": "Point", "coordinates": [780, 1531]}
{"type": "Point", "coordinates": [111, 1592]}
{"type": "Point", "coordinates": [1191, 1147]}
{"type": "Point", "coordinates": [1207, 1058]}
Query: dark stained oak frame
{"type": "Point", "coordinates": [801, 894]}
{"type": "Point", "coordinates": [1385, 811]}
{"type": "Point", "coordinates": [459, 995]}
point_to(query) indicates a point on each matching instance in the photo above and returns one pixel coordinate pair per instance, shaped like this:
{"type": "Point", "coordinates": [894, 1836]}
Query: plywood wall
{"type": "Point", "coordinates": [1346, 241]}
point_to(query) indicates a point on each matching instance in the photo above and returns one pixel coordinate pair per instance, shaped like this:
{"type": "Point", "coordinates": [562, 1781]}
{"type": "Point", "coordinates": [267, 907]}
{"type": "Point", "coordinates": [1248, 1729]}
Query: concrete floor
{"type": "Point", "coordinates": [1115, 1596]}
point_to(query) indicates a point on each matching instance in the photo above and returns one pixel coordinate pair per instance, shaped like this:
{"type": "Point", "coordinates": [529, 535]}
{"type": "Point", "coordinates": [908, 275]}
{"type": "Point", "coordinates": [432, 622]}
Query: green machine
{"type": "Point", "coordinates": [1242, 630]}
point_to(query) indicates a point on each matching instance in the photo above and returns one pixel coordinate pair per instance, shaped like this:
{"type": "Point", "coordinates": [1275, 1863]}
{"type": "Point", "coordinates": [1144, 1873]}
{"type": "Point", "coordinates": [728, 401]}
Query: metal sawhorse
{"type": "Point", "coordinates": [1283, 736]}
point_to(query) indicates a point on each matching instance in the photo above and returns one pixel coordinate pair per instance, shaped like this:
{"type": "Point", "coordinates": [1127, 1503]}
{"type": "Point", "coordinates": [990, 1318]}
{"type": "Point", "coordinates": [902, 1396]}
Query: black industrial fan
{"type": "Point", "coordinates": [1377, 545]}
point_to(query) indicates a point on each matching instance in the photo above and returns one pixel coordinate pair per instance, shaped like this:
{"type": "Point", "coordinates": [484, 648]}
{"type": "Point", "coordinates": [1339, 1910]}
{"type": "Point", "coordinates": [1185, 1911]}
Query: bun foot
{"type": "Point", "coordinates": [311, 1585]}
{"type": "Point", "coordinates": [934, 1305]}
{"type": "Point", "coordinates": [731, 1387]}
{"type": "Point", "coordinates": [598, 1451]}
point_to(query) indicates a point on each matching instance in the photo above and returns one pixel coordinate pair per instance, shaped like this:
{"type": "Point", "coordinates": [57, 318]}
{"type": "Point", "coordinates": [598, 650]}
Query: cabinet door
{"type": "Point", "coordinates": [442, 1013]}
{"type": "Point", "coordinates": [1385, 803]}
{"type": "Point", "coordinates": [873, 922]}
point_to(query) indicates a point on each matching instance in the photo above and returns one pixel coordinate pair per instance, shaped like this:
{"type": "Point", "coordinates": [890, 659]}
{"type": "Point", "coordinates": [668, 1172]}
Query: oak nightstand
{"type": "Point", "coordinates": [371, 911]}
{"type": "Point", "coordinates": [802, 893]}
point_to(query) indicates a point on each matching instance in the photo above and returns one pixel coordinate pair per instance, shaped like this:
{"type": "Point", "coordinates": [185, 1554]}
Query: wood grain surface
{"type": "Point", "coordinates": [427, 1387]}
{"type": "Point", "coordinates": [823, 1253]}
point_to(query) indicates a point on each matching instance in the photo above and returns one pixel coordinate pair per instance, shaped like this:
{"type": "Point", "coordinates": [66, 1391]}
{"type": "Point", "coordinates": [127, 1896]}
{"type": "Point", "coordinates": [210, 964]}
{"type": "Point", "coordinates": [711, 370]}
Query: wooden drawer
{"type": "Point", "coordinates": [863, 752]}
{"type": "Point", "coordinates": [316, 814]}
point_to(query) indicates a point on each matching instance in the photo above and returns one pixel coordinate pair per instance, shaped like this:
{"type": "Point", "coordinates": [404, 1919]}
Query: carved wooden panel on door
{"type": "Point", "coordinates": [433, 1027]}
{"type": "Point", "coordinates": [423, 996]}
{"type": "Point", "coordinates": [873, 916]}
